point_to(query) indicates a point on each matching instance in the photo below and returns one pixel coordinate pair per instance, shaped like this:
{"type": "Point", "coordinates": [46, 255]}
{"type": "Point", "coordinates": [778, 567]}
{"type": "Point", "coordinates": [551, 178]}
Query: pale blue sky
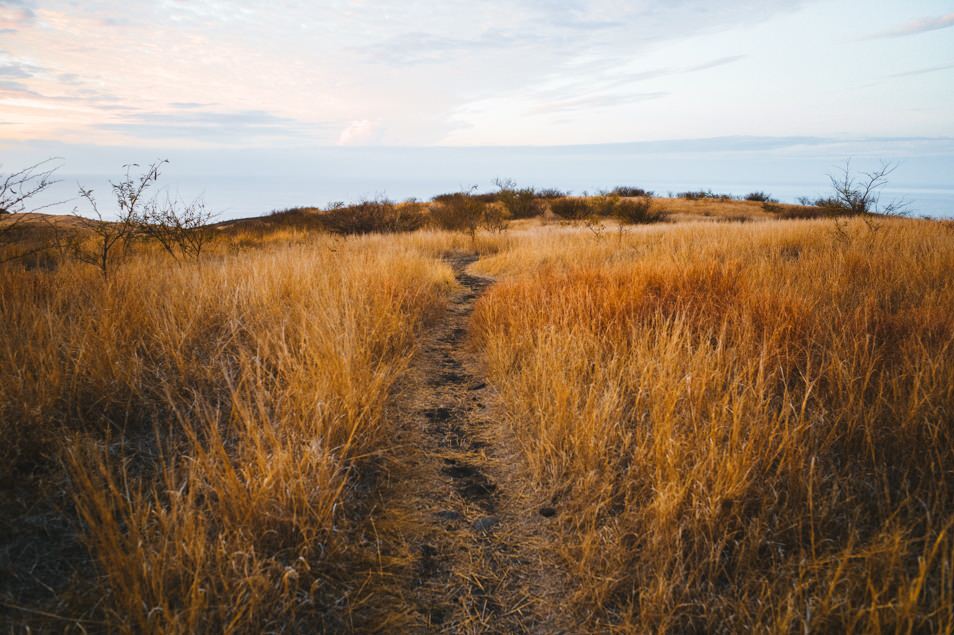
{"type": "Point", "coordinates": [227, 89]}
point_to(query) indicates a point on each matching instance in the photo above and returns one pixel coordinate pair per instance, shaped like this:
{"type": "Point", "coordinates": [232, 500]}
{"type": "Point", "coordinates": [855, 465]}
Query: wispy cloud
{"type": "Point", "coordinates": [923, 71]}
{"type": "Point", "coordinates": [592, 102]}
{"type": "Point", "coordinates": [15, 14]}
{"type": "Point", "coordinates": [188, 105]}
{"type": "Point", "coordinates": [423, 48]}
{"type": "Point", "coordinates": [17, 70]}
{"type": "Point", "coordinates": [16, 88]}
{"type": "Point", "coordinates": [451, 72]}
{"type": "Point", "coordinates": [604, 89]}
{"type": "Point", "coordinates": [915, 27]}
{"type": "Point", "coordinates": [11, 88]}
{"type": "Point", "coordinates": [722, 61]}
{"type": "Point", "coordinates": [209, 126]}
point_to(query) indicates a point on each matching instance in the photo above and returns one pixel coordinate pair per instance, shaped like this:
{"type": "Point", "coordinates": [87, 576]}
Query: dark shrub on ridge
{"type": "Point", "coordinates": [632, 211]}
{"type": "Point", "coordinates": [701, 195]}
{"type": "Point", "coordinates": [628, 191]}
{"type": "Point", "coordinates": [760, 197]}
{"type": "Point", "coordinates": [520, 202]}
{"type": "Point", "coordinates": [379, 216]}
{"type": "Point", "coordinates": [570, 208]}
{"type": "Point", "coordinates": [457, 212]}
{"type": "Point", "coordinates": [484, 197]}
{"type": "Point", "coordinates": [550, 192]}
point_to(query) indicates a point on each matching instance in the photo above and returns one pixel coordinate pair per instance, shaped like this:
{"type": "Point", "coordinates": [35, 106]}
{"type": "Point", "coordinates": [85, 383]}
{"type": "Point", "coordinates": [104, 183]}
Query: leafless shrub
{"type": "Point", "coordinates": [860, 193]}
{"type": "Point", "coordinates": [854, 194]}
{"type": "Point", "coordinates": [112, 238]}
{"type": "Point", "coordinates": [17, 189]}
{"type": "Point", "coordinates": [596, 227]}
{"type": "Point", "coordinates": [183, 230]}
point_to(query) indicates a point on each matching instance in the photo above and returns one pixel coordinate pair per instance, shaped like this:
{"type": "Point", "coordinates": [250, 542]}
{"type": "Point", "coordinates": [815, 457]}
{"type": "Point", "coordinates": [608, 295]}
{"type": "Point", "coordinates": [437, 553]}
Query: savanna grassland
{"type": "Point", "coordinates": [203, 421]}
{"type": "Point", "coordinates": [680, 425]}
{"type": "Point", "coordinates": [745, 428]}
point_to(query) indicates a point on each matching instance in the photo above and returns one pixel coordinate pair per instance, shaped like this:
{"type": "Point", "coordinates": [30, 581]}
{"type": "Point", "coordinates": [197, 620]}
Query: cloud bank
{"type": "Point", "coordinates": [236, 72]}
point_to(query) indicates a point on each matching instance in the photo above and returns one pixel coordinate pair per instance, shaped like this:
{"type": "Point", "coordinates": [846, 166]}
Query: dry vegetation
{"type": "Point", "coordinates": [739, 427]}
{"type": "Point", "coordinates": [744, 427]}
{"type": "Point", "coordinates": [207, 420]}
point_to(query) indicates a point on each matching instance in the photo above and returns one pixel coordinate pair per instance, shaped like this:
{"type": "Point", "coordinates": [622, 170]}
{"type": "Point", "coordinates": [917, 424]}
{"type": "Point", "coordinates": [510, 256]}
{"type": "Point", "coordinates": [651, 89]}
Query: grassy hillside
{"type": "Point", "coordinates": [706, 427]}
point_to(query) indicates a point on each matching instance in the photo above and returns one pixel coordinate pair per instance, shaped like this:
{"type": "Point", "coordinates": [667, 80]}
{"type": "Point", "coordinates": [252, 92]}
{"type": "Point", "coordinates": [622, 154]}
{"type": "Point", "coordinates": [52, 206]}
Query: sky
{"type": "Point", "coordinates": [229, 79]}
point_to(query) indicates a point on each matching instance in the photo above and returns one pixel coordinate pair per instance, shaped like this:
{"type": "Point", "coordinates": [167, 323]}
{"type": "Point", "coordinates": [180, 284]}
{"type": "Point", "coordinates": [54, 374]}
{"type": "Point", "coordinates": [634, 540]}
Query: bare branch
{"type": "Point", "coordinates": [16, 192]}
{"type": "Point", "coordinates": [181, 230]}
{"type": "Point", "coordinates": [18, 188]}
{"type": "Point", "coordinates": [116, 235]}
{"type": "Point", "coordinates": [860, 193]}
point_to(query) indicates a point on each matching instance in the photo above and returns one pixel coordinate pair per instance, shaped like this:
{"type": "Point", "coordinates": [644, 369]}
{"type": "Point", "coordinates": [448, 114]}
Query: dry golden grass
{"type": "Point", "coordinates": [745, 427]}
{"type": "Point", "coordinates": [742, 427]}
{"type": "Point", "coordinates": [711, 209]}
{"type": "Point", "coordinates": [715, 209]}
{"type": "Point", "coordinates": [209, 417]}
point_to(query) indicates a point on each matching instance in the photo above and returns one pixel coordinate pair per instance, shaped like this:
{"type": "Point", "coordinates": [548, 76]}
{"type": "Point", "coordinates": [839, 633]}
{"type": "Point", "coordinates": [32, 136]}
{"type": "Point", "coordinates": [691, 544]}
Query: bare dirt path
{"type": "Point", "coordinates": [473, 537]}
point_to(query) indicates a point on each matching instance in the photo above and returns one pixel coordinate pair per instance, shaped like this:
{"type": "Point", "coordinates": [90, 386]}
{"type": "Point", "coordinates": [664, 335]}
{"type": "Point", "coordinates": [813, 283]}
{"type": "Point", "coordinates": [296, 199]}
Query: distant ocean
{"type": "Point", "coordinates": [243, 196]}
{"type": "Point", "coordinates": [241, 183]}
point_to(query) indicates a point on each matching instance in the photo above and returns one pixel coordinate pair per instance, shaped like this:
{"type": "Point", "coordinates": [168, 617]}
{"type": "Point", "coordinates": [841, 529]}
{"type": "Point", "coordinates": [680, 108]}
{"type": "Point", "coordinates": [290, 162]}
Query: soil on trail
{"type": "Point", "coordinates": [473, 534]}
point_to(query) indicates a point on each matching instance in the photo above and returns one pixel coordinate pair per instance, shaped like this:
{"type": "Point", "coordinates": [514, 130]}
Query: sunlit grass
{"type": "Point", "coordinates": [742, 426]}
{"type": "Point", "coordinates": [746, 427]}
{"type": "Point", "coordinates": [209, 416]}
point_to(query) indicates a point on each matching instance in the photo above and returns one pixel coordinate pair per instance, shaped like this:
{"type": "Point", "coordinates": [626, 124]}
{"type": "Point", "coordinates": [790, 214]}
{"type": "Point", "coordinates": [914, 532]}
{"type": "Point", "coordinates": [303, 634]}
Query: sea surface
{"type": "Point", "coordinates": [253, 195]}
{"type": "Point", "coordinates": [254, 182]}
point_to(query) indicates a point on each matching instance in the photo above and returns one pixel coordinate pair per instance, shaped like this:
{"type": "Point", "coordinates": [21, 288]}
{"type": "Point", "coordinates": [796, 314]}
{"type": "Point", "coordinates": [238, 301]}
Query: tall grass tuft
{"type": "Point", "coordinates": [745, 428]}
{"type": "Point", "coordinates": [210, 420]}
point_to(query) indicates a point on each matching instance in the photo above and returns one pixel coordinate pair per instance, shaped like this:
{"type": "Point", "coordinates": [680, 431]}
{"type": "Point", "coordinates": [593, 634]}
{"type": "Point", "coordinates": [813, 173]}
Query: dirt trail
{"type": "Point", "coordinates": [474, 537]}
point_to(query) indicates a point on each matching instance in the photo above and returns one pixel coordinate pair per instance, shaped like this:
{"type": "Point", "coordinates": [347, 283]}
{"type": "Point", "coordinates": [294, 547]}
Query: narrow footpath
{"type": "Point", "coordinates": [474, 538]}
